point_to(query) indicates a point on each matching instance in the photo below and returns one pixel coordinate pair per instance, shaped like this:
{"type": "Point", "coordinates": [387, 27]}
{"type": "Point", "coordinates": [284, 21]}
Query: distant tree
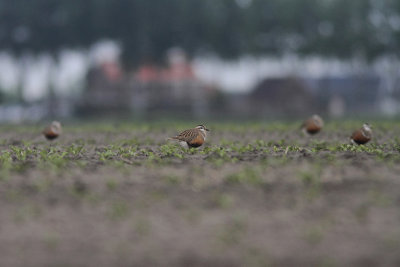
{"type": "Point", "coordinates": [147, 28]}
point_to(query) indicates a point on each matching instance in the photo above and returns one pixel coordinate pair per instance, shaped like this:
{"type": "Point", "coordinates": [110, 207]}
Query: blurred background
{"type": "Point", "coordinates": [191, 58]}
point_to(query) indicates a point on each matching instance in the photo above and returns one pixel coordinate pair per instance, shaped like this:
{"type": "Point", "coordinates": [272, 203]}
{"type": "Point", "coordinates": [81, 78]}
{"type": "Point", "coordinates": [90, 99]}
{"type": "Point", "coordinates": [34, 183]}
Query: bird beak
{"type": "Point", "coordinates": [207, 130]}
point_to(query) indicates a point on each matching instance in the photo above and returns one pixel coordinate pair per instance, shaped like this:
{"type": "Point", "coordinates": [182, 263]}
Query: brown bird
{"type": "Point", "coordinates": [312, 125]}
{"type": "Point", "coordinates": [362, 135]}
{"type": "Point", "coordinates": [52, 131]}
{"type": "Point", "coordinates": [193, 137]}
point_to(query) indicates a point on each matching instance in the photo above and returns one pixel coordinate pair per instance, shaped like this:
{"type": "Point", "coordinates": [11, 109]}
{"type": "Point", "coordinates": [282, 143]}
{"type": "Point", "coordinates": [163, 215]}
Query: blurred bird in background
{"type": "Point", "coordinates": [52, 131]}
{"type": "Point", "coordinates": [362, 135]}
{"type": "Point", "coordinates": [312, 125]}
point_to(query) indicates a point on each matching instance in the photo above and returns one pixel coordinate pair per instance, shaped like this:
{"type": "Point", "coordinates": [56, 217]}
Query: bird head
{"type": "Point", "coordinates": [367, 126]}
{"type": "Point", "coordinates": [318, 120]}
{"type": "Point", "coordinates": [56, 126]}
{"type": "Point", "coordinates": [202, 127]}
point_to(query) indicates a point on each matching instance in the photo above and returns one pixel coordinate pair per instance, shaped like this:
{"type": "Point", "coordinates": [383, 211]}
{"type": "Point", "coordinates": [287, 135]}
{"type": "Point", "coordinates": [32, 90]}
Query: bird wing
{"type": "Point", "coordinates": [187, 135]}
{"type": "Point", "coordinates": [356, 134]}
{"type": "Point", "coordinates": [46, 130]}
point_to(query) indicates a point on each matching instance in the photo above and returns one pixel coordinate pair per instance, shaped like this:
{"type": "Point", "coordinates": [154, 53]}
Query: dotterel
{"type": "Point", "coordinates": [312, 125]}
{"type": "Point", "coordinates": [192, 137]}
{"type": "Point", "coordinates": [52, 131]}
{"type": "Point", "coordinates": [362, 135]}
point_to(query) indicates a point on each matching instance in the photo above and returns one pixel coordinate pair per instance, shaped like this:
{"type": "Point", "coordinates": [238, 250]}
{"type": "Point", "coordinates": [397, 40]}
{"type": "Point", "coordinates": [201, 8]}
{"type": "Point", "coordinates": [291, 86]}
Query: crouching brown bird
{"type": "Point", "coordinates": [52, 131]}
{"type": "Point", "coordinates": [312, 125]}
{"type": "Point", "coordinates": [362, 135]}
{"type": "Point", "coordinates": [193, 137]}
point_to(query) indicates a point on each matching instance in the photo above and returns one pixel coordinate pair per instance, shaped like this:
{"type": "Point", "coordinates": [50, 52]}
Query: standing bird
{"type": "Point", "coordinates": [52, 131]}
{"type": "Point", "coordinates": [362, 135]}
{"type": "Point", "coordinates": [193, 137]}
{"type": "Point", "coordinates": [312, 125]}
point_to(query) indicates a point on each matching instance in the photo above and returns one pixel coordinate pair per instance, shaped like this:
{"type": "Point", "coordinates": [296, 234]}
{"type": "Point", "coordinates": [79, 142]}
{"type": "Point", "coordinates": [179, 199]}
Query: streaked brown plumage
{"type": "Point", "coordinates": [313, 125]}
{"type": "Point", "coordinates": [193, 137]}
{"type": "Point", "coordinates": [52, 131]}
{"type": "Point", "coordinates": [362, 135]}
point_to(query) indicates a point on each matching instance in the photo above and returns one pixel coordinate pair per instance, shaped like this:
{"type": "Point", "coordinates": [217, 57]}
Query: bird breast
{"type": "Point", "coordinates": [366, 133]}
{"type": "Point", "coordinates": [203, 134]}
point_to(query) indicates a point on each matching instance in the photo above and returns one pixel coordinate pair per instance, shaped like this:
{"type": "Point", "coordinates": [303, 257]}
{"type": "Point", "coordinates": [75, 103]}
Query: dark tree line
{"type": "Point", "coordinates": [147, 28]}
